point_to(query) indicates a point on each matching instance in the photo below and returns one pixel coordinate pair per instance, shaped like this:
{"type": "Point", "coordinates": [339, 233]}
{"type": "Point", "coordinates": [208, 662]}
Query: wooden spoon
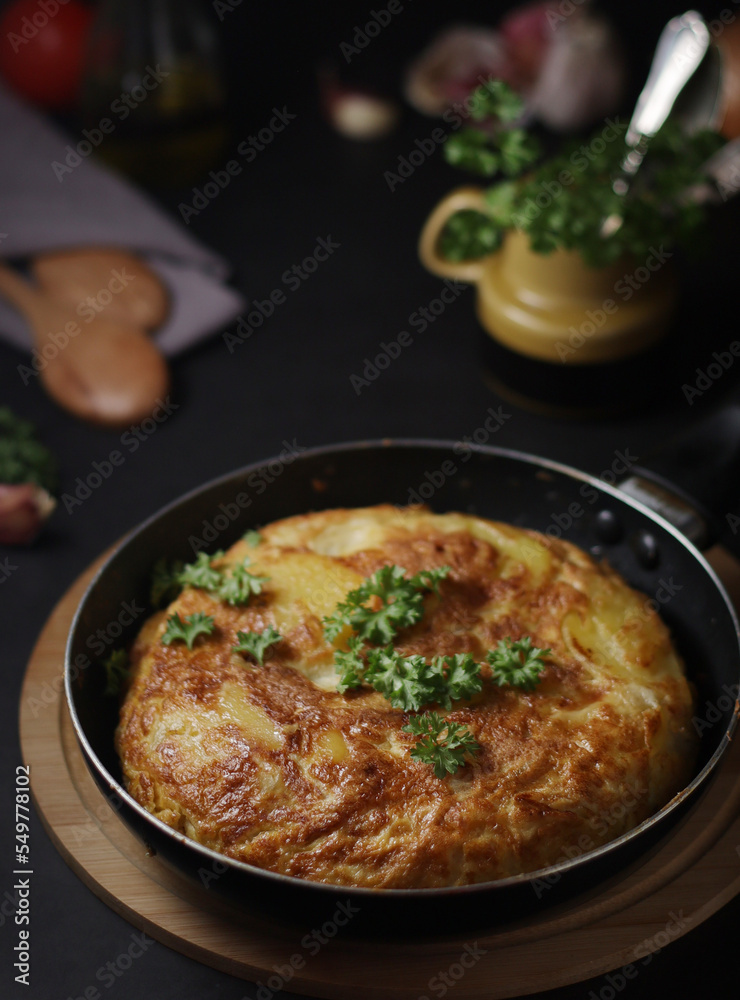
{"type": "Point", "coordinates": [104, 371]}
{"type": "Point", "coordinates": [109, 282]}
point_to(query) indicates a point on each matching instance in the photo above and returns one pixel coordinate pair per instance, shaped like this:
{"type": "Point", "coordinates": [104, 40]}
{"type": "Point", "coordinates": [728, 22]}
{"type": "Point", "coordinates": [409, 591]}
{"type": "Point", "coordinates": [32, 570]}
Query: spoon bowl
{"type": "Point", "coordinates": [102, 370]}
{"type": "Point", "coordinates": [112, 282]}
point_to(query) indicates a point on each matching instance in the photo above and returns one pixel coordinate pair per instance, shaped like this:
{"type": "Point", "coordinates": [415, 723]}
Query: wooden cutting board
{"type": "Point", "coordinates": [690, 876]}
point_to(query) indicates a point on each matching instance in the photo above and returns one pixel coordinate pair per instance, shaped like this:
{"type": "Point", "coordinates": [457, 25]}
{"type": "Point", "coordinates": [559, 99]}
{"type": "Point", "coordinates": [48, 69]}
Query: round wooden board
{"type": "Point", "coordinates": [691, 875]}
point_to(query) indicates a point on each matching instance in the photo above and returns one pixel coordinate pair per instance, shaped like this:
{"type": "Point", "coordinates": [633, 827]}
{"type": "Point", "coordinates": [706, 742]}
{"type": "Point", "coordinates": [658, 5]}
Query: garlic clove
{"type": "Point", "coordinates": [23, 510]}
{"type": "Point", "coordinates": [355, 112]}
{"type": "Point", "coordinates": [361, 116]}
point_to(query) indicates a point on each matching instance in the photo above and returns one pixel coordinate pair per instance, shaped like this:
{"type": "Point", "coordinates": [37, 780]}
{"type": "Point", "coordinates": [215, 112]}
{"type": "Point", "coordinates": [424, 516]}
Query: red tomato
{"type": "Point", "coordinates": [42, 49]}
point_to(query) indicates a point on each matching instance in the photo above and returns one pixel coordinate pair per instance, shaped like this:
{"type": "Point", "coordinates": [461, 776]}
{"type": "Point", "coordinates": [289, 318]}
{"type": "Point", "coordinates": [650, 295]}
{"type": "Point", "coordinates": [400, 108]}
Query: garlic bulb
{"type": "Point", "coordinates": [448, 70]}
{"type": "Point", "coordinates": [582, 77]}
{"type": "Point", "coordinates": [23, 510]}
{"type": "Point", "coordinates": [567, 67]}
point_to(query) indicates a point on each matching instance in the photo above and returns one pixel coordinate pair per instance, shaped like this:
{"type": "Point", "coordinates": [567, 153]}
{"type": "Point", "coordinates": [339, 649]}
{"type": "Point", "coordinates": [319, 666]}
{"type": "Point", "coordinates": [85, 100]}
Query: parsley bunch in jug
{"type": "Point", "coordinates": [562, 202]}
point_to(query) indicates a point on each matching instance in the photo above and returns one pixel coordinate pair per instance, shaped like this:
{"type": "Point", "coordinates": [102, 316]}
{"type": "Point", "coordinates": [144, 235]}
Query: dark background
{"type": "Point", "coordinates": [291, 380]}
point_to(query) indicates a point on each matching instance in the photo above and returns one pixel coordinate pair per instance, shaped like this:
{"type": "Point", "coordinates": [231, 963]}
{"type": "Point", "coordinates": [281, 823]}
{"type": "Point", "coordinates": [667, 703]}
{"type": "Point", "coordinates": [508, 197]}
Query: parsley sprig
{"type": "Point", "coordinates": [401, 604]}
{"type": "Point", "coordinates": [488, 150]}
{"type": "Point", "coordinates": [23, 459]}
{"type": "Point", "coordinates": [201, 573]}
{"type": "Point", "coordinates": [234, 586]}
{"type": "Point", "coordinates": [165, 585]}
{"type": "Point", "coordinates": [518, 664]}
{"type": "Point", "coordinates": [257, 643]}
{"type": "Point", "coordinates": [188, 630]}
{"type": "Point", "coordinates": [408, 682]}
{"type": "Point", "coordinates": [116, 666]}
{"type": "Point", "coordinates": [442, 743]}
{"type": "Point", "coordinates": [468, 235]}
{"type": "Point", "coordinates": [350, 665]}
{"type": "Point", "coordinates": [496, 99]}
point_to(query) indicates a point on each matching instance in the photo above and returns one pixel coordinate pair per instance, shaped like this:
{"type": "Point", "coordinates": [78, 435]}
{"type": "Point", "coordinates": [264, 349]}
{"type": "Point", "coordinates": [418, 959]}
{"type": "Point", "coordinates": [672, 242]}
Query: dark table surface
{"type": "Point", "coordinates": [291, 381]}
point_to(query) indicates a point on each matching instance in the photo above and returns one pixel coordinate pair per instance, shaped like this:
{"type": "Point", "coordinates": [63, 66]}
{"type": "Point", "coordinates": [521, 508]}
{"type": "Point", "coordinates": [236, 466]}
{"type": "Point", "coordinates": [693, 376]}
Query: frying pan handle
{"type": "Point", "coordinates": [694, 481]}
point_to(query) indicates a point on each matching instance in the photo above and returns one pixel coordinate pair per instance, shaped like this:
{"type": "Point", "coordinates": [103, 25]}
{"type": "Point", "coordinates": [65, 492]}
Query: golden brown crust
{"type": "Point", "coordinates": [272, 766]}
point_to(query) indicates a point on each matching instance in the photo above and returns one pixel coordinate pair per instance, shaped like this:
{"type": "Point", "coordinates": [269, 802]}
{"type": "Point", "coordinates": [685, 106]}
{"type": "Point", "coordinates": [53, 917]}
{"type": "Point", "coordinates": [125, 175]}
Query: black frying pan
{"type": "Point", "coordinates": [652, 555]}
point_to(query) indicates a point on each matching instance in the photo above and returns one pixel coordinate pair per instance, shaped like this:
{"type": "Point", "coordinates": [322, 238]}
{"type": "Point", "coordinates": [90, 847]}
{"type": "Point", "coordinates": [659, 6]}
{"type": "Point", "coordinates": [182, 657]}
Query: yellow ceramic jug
{"type": "Point", "coordinates": [554, 307]}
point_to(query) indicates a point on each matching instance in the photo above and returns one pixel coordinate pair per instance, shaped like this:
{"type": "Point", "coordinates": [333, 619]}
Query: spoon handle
{"type": "Point", "coordinates": [17, 290]}
{"type": "Point", "coordinates": [682, 45]}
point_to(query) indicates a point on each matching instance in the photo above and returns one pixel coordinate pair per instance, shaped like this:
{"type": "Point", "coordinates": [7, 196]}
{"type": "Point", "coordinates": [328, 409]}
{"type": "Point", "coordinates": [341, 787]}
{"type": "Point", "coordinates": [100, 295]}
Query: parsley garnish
{"type": "Point", "coordinates": [200, 573]}
{"type": "Point", "coordinates": [408, 682]}
{"type": "Point", "coordinates": [256, 643]}
{"type": "Point", "coordinates": [441, 743]}
{"type": "Point", "coordinates": [252, 538]}
{"type": "Point", "coordinates": [517, 663]}
{"type": "Point", "coordinates": [402, 604]}
{"type": "Point", "coordinates": [462, 676]}
{"type": "Point", "coordinates": [234, 586]}
{"type": "Point", "coordinates": [188, 630]}
{"type": "Point", "coordinates": [238, 586]}
{"type": "Point", "coordinates": [116, 668]}
{"type": "Point", "coordinates": [166, 583]}
{"type": "Point", "coordinates": [23, 459]}
{"type": "Point", "coordinates": [350, 665]}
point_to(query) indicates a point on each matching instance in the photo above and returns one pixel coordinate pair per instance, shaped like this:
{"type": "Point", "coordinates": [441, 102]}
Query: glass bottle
{"type": "Point", "coordinates": [153, 89]}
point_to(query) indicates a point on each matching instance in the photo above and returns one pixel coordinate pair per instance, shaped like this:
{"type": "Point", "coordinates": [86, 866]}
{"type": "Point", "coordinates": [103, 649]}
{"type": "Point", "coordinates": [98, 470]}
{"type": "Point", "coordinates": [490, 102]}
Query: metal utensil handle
{"type": "Point", "coordinates": [681, 47]}
{"type": "Point", "coordinates": [693, 480]}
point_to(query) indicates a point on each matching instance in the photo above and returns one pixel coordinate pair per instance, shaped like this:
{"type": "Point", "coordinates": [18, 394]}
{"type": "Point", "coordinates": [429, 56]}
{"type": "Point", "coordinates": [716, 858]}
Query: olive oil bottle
{"type": "Point", "coordinates": [153, 90]}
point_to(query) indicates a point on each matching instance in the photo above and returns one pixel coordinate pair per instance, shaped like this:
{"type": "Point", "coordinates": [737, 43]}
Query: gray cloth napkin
{"type": "Point", "coordinates": [93, 206]}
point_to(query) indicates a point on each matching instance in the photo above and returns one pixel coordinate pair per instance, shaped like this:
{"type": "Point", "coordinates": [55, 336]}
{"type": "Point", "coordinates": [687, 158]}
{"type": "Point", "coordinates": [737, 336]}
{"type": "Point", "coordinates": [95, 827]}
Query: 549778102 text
{"type": "Point", "coordinates": [22, 886]}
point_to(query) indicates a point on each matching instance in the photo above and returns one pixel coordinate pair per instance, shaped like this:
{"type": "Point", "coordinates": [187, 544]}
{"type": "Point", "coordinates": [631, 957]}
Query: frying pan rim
{"type": "Point", "coordinates": [386, 444]}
